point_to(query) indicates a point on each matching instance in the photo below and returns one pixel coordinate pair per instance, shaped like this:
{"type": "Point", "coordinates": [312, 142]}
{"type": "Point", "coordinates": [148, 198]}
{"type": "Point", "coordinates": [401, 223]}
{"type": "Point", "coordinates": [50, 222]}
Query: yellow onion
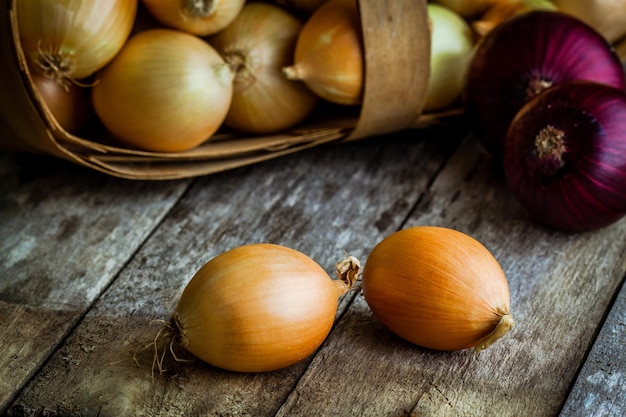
{"type": "Point", "coordinates": [67, 103]}
{"type": "Point", "coordinates": [452, 43]}
{"type": "Point", "coordinates": [329, 53]}
{"type": "Point", "coordinates": [199, 17]}
{"type": "Point", "coordinates": [259, 307]}
{"type": "Point", "coordinates": [257, 45]}
{"type": "Point", "coordinates": [608, 17]}
{"type": "Point", "coordinates": [166, 91]}
{"type": "Point", "coordinates": [68, 39]}
{"type": "Point", "coordinates": [437, 288]}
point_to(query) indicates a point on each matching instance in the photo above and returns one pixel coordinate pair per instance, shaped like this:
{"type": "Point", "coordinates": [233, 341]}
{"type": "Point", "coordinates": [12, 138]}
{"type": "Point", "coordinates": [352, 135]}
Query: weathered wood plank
{"type": "Point", "coordinates": [321, 202]}
{"type": "Point", "coordinates": [560, 286]}
{"type": "Point", "coordinates": [600, 388]}
{"type": "Point", "coordinates": [64, 235]}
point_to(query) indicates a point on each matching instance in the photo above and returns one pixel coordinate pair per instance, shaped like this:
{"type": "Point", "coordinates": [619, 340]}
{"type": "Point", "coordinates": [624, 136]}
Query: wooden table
{"type": "Point", "coordinates": [88, 262]}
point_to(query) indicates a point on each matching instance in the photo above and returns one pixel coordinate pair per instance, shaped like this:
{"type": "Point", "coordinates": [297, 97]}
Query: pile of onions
{"type": "Point", "coordinates": [166, 91]}
{"type": "Point", "coordinates": [259, 307]}
{"type": "Point", "coordinates": [438, 288]}
{"type": "Point", "coordinates": [257, 45]}
{"type": "Point", "coordinates": [200, 17]}
{"type": "Point", "coordinates": [525, 55]}
{"type": "Point", "coordinates": [329, 53]}
{"type": "Point", "coordinates": [565, 156]}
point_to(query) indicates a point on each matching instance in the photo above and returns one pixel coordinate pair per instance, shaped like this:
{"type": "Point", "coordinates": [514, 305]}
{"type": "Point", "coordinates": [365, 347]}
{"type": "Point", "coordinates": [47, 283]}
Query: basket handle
{"type": "Point", "coordinates": [396, 42]}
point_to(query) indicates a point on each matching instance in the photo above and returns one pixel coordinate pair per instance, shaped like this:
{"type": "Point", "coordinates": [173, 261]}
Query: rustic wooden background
{"type": "Point", "coordinates": [88, 261]}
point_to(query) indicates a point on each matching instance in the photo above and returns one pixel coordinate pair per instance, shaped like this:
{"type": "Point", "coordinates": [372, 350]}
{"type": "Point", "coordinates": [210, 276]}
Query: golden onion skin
{"type": "Point", "coordinates": [329, 55]}
{"type": "Point", "coordinates": [256, 308]}
{"type": "Point", "coordinates": [68, 39]}
{"type": "Point", "coordinates": [198, 17]}
{"type": "Point", "coordinates": [257, 45]}
{"type": "Point", "coordinates": [437, 288]}
{"type": "Point", "coordinates": [166, 91]}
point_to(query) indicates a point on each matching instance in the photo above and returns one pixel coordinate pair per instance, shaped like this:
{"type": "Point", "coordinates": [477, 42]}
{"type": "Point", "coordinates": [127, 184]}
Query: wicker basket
{"type": "Point", "coordinates": [396, 41]}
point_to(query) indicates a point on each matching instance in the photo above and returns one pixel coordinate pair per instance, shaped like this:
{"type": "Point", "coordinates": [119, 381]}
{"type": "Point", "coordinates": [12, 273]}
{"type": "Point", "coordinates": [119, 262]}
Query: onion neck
{"type": "Point", "coordinates": [199, 9]}
{"type": "Point", "coordinates": [536, 85]}
{"type": "Point", "coordinates": [348, 270]}
{"type": "Point", "coordinates": [241, 67]}
{"type": "Point", "coordinates": [293, 72]}
{"type": "Point", "coordinates": [56, 65]}
{"type": "Point", "coordinates": [549, 147]}
{"type": "Point", "coordinates": [505, 324]}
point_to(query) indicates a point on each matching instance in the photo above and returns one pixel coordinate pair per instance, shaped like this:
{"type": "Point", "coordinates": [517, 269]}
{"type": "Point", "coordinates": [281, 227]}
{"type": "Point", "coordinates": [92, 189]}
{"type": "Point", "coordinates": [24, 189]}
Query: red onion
{"type": "Point", "coordinates": [565, 156]}
{"type": "Point", "coordinates": [525, 55]}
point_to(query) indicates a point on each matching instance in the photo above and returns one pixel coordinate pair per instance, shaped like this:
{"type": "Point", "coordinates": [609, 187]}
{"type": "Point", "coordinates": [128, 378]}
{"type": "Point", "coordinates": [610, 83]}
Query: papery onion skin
{"type": "Point", "coordinates": [73, 39]}
{"type": "Point", "coordinates": [525, 55]}
{"type": "Point", "coordinates": [437, 288]}
{"type": "Point", "coordinates": [166, 91]}
{"type": "Point", "coordinates": [69, 104]}
{"type": "Point", "coordinates": [257, 308]}
{"type": "Point", "coordinates": [329, 54]}
{"type": "Point", "coordinates": [580, 184]}
{"type": "Point", "coordinates": [257, 45]}
{"type": "Point", "coordinates": [199, 17]}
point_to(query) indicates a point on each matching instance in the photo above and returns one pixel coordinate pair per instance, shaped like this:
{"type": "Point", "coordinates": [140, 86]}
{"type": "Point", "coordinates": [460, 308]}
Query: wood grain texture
{"type": "Point", "coordinates": [321, 203]}
{"type": "Point", "coordinates": [66, 233]}
{"type": "Point", "coordinates": [560, 285]}
{"type": "Point", "coordinates": [600, 388]}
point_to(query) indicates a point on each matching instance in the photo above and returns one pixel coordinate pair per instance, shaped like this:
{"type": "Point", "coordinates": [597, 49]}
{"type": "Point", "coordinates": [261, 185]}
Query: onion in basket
{"type": "Point", "coordinates": [166, 91]}
{"type": "Point", "coordinates": [200, 17]}
{"type": "Point", "coordinates": [257, 45]}
{"type": "Point", "coordinates": [329, 53]}
{"type": "Point", "coordinates": [70, 40]}
{"type": "Point", "coordinates": [452, 44]}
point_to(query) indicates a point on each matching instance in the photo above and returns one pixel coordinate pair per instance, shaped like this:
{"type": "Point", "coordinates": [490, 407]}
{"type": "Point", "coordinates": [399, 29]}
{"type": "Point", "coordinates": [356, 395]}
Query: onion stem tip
{"type": "Point", "coordinates": [505, 324]}
{"type": "Point", "coordinates": [348, 271]}
{"type": "Point", "coordinates": [292, 73]}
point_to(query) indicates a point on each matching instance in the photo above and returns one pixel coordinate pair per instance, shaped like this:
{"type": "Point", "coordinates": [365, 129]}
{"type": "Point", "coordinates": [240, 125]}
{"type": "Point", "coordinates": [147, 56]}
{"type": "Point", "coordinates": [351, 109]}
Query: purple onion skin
{"type": "Point", "coordinates": [533, 49]}
{"type": "Point", "coordinates": [583, 188]}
